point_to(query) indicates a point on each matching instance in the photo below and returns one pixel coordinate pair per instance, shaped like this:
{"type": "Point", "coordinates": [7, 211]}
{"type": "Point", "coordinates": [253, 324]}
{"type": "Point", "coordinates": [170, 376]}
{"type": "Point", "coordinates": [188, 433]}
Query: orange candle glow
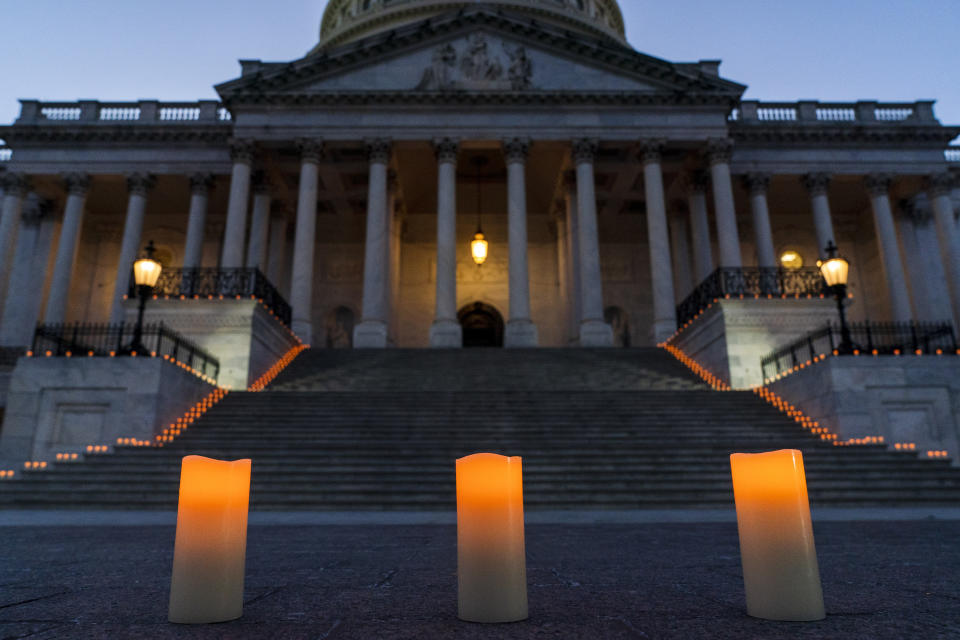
{"type": "Point", "coordinates": [779, 559]}
{"type": "Point", "coordinates": [492, 569]}
{"type": "Point", "coordinates": [210, 552]}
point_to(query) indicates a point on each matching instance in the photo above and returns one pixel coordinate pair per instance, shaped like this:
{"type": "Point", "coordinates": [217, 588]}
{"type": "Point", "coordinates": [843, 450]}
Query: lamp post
{"type": "Point", "coordinates": [146, 272]}
{"type": "Point", "coordinates": [835, 271]}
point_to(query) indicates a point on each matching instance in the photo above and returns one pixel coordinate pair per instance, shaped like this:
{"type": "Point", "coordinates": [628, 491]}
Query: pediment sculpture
{"type": "Point", "coordinates": [477, 69]}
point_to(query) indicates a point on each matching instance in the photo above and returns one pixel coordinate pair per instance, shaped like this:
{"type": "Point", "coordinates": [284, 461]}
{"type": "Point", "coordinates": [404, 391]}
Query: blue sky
{"type": "Point", "coordinates": [842, 50]}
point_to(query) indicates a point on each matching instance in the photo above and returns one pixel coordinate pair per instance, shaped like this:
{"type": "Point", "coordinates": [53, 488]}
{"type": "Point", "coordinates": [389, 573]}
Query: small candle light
{"type": "Point", "coordinates": [492, 570]}
{"type": "Point", "coordinates": [211, 543]}
{"type": "Point", "coordinates": [779, 559]}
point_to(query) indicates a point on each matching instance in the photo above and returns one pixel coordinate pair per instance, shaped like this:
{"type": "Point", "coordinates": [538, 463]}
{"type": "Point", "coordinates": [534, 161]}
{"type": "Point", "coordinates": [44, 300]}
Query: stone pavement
{"type": "Point", "coordinates": [882, 579]}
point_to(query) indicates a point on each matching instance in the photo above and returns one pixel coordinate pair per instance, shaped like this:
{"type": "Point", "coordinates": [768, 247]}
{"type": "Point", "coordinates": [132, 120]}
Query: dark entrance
{"type": "Point", "coordinates": [482, 325]}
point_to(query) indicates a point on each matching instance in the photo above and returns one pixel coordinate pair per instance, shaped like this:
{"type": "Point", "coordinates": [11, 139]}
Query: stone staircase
{"type": "Point", "coordinates": [598, 429]}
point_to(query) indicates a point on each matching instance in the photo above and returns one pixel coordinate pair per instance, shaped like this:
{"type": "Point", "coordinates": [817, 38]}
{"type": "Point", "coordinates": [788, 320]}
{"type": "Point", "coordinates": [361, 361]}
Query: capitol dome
{"type": "Point", "coordinates": [346, 20]}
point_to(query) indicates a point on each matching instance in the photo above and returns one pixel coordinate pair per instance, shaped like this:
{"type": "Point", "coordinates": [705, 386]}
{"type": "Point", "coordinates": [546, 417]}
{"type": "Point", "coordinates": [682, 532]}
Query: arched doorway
{"type": "Point", "coordinates": [482, 325]}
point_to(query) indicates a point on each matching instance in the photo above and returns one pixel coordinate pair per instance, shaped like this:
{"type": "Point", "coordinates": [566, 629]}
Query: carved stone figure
{"type": "Point", "coordinates": [476, 64]}
{"type": "Point", "coordinates": [520, 72]}
{"type": "Point", "coordinates": [440, 75]}
{"type": "Point", "coordinates": [477, 69]}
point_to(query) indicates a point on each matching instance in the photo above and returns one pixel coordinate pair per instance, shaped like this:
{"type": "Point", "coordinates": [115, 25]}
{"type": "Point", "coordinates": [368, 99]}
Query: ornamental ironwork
{"type": "Point", "coordinates": [213, 282]}
{"type": "Point", "coordinates": [751, 282]}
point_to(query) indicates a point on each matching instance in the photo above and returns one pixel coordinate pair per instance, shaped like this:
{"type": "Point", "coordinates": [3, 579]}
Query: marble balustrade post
{"type": "Point", "coordinates": [719, 152]}
{"type": "Point", "coordinates": [680, 250]}
{"type": "Point", "coordinates": [200, 184]}
{"type": "Point", "coordinates": [24, 295]}
{"type": "Point", "coordinates": [700, 226]}
{"type": "Point", "coordinates": [16, 186]}
{"type": "Point", "coordinates": [242, 152]}
{"type": "Point", "coordinates": [372, 332]}
{"type": "Point", "coordinates": [661, 266]}
{"type": "Point", "coordinates": [758, 184]}
{"type": "Point", "coordinates": [878, 187]}
{"type": "Point", "coordinates": [520, 329]}
{"type": "Point", "coordinates": [77, 185]}
{"type": "Point", "coordinates": [573, 255]}
{"type": "Point", "coordinates": [278, 246]}
{"type": "Point", "coordinates": [594, 332]}
{"type": "Point", "coordinates": [259, 224]}
{"type": "Point", "coordinates": [446, 331]}
{"type": "Point", "coordinates": [305, 239]}
{"type": "Point", "coordinates": [939, 190]}
{"type": "Point", "coordinates": [138, 186]}
{"type": "Point", "coordinates": [818, 185]}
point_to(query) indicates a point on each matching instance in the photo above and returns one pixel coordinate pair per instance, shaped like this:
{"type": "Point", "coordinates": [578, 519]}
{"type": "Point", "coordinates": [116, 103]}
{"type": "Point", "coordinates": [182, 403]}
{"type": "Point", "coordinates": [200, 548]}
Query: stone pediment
{"type": "Point", "coordinates": [475, 52]}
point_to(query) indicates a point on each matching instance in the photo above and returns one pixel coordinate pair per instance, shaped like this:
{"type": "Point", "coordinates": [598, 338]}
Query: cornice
{"type": "Point", "coordinates": [126, 133]}
{"type": "Point", "coordinates": [877, 133]}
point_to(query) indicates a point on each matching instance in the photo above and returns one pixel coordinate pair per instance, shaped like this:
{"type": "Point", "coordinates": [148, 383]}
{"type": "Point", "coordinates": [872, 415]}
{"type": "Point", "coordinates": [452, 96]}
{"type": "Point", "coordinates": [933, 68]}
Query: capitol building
{"type": "Point", "coordinates": [440, 173]}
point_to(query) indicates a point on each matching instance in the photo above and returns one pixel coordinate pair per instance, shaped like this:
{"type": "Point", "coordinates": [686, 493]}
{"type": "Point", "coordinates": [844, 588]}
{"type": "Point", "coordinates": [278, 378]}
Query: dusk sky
{"type": "Point", "coordinates": [831, 50]}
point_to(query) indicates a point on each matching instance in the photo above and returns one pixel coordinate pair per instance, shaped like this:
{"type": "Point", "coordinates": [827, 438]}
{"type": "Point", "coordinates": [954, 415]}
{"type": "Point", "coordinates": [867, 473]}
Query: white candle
{"type": "Point", "coordinates": [492, 568]}
{"type": "Point", "coordinates": [780, 571]}
{"type": "Point", "coordinates": [211, 545]}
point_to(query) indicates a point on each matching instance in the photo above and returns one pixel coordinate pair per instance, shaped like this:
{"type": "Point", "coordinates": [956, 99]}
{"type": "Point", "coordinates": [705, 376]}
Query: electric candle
{"type": "Point", "coordinates": [780, 571]}
{"type": "Point", "coordinates": [211, 543]}
{"type": "Point", "coordinates": [492, 570]}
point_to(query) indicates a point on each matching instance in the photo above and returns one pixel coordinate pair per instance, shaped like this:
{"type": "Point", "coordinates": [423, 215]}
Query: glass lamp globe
{"type": "Point", "coordinates": [479, 248]}
{"type": "Point", "coordinates": [835, 271]}
{"type": "Point", "coordinates": [146, 272]}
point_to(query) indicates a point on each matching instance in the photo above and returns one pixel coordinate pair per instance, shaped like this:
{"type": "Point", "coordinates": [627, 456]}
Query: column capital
{"type": "Point", "coordinates": [816, 184]}
{"type": "Point", "coordinates": [378, 150]}
{"type": "Point", "coordinates": [260, 183]}
{"type": "Point", "coordinates": [584, 150]}
{"type": "Point", "coordinates": [696, 182]}
{"type": "Point", "coordinates": [757, 183]}
{"type": "Point", "coordinates": [446, 150]}
{"type": "Point", "coordinates": [516, 149]}
{"type": "Point", "coordinates": [201, 183]}
{"type": "Point", "coordinates": [242, 150]}
{"type": "Point", "coordinates": [719, 150]}
{"type": "Point", "coordinates": [140, 183]}
{"type": "Point", "coordinates": [917, 210]}
{"type": "Point", "coordinates": [878, 184]}
{"type": "Point", "coordinates": [940, 184]}
{"type": "Point", "coordinates": [35, 210]}
{"type": "Point", "coordinates": [311, 149]}
{"type": "Point", "coordinates": [76, 183]}
{"type": "Point", "coordinates": [16, 184]}
{"type": "Point", "coordinates": [651, 150]}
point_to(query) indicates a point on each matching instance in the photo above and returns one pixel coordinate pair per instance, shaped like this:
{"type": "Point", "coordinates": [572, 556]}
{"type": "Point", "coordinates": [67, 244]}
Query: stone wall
{"type": "Point", "coordinates": [64, 404]}
{"type": "Point", "coordinates": [912, 399]}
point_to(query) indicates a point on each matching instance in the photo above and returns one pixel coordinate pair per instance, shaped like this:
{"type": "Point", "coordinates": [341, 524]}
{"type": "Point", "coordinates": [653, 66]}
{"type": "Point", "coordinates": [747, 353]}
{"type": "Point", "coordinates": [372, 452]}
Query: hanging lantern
{"type": "Point", "coordinates": [479, 248]}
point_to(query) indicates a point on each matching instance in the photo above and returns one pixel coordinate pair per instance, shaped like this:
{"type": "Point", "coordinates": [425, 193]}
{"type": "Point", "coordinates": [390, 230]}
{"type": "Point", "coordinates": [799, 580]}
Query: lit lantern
{"type": "Point", "coordinates": [211, 542]}
{"type": "Point", "coordinates": [146, 270]}
{"type": "Point", "coordinates": [780, 571]}
{"type": "Point", "coordinates": [479, 247]}
{"type": "Point", "coordinates": [491, 566]}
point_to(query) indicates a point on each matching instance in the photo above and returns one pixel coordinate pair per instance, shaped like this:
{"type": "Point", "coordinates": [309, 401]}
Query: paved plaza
{"type": "Point", "coordinates": [616, 579]}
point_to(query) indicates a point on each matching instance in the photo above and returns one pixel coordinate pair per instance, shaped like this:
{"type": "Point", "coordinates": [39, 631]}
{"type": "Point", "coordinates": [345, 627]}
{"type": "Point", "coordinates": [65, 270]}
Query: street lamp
{"type": "Point", "coordinates": [835, 271]}
{"type": "Point", "coordinates": [146, 272]}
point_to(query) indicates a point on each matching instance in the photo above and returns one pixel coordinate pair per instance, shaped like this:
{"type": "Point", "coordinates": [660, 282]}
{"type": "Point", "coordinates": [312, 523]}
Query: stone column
{"type": "Point", "coordinates": [661, 269]}
{"type": "Point", "coordinates": [700, 227]}
{"type": "Point", "coordinates": [680, 250]}
{"type": "Point", "coordinates": [372, 331]}
{"type": "Point", "coordinates": [728, 237]}
{"type": "Point", "coordinates": [573, 254]}
{"type": "Point", "coordinates": [594, 332]}
{"type": "Point", "coordinates": [278, 246]}
{"type": "Point", "coordinates": [139, 185]}
{"type": "Point", "coordinates": [939, 188]}
{"type": "Point", "coordinates": [23, 299]}
{"type": "Point", "coordinates": [259, 225]}
{"type": "Point", "coordinates": [16, 186]}
{"type": "Point", "coordinates": [915, 217]}
{"type": "Point", "coordinates": [559, 220]}
{"type": "Point", "coordinates": [757, 184]}
{"type": "Point", "coordinates": [77, 185]}
{"type": "Point", "coordinates": [305, 239]}
{"type": "Point", "coordinates": [817, 185]}
{"type": "Point", "coordinates": [395, 247]}
{"type": "Point", "coordinates": [446, 331]}
{"type": "Point", "coordinates": [242, 153]}
{"type": "Point", "coordinates": [200, 184]}
{"type": "Point", "coordinates": [878, 186]}
{"type": "Point", "coordinates": [520, 330]}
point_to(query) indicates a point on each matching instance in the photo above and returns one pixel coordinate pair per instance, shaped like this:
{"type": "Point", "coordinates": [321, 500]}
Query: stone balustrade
{"type": "Point", "coordinates": [952, 154]}
{"type": "Point", "coordinates": [114, 113]}
{"type": "Point", "coordinates": [752, 112]}
{"type": "Point", "coordinates": [6, 154]}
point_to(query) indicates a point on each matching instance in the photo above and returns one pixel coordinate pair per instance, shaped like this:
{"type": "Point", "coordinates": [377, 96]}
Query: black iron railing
{"type": "Point", "coordinates": [109, 340]}
{"type": "Point", "coordinates": [869, 338]}
{"type": "Point", "coordinates": [752, 282]}
{"type": "Point", "coordinates": [211, 282]}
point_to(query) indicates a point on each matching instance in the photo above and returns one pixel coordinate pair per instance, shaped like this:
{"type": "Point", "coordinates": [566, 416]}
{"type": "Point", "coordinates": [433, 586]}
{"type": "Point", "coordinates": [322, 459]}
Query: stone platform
{"type": "Point", "coordinates": [882, 579]}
